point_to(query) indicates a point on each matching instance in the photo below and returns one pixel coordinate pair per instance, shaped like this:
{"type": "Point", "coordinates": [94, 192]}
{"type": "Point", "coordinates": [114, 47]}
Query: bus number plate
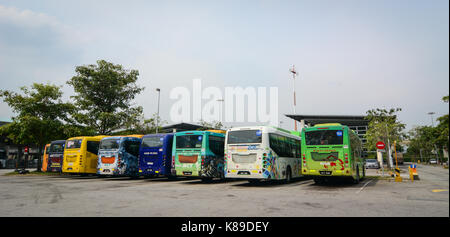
{"type": "Point", "coordinates": [244, 173]}
{"type": "Point", "coordinates": [187, 173]}
{"type": "Point", "coordinates": [325, 172]}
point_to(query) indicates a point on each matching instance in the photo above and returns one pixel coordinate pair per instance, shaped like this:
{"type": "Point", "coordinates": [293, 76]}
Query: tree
{"type": "Point", "coordinates": [211, 125]}
{"type": "Point", "coordinates": [383, 126]}
{"type": "Point", "coordinates": [103, 96]}
{"type": "Point", "coordinates": [41, 116]}
{"type": "Point", "coordinates": [140, 125]}
{"type": "Point", "coordinates": [426, 139]}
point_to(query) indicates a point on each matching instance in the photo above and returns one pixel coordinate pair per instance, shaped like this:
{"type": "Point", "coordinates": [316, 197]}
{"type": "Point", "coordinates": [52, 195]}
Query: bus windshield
{"type": "Point", "coordinates": [152, 142]}
{"type": "Point", "coordinates": [73, 144]}
{"type": "Point", "coordinates": [324, 137]}
{"type": "Point", "coordinates": [244, 137]}
{"type": "Point", "coordinates": [56, 148]}
{"type": "Point", "coordinates": [108, 144]}
{"type": "Point", "coordinates": [189, 141]}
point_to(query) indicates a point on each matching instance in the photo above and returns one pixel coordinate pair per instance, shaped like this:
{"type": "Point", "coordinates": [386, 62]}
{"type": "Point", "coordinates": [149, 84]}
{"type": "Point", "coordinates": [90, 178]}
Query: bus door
{"type": "Point", "coordinates": [91, 153]}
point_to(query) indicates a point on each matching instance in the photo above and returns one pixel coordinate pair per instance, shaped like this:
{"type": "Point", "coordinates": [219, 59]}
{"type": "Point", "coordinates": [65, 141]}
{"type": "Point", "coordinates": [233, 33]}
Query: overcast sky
{"type": "Point", "coordinates": [352, 56]}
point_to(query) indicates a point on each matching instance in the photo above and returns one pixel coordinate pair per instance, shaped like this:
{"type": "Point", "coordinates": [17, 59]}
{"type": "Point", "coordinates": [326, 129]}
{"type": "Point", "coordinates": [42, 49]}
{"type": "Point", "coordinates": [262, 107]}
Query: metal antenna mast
{"type": "Point", "coordinates": [294, 75]}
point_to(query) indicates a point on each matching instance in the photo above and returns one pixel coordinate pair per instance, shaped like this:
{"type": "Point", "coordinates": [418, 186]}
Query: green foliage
{"type": "Point", "coordinates": [103, 96]}
{"type": "Point", "coordinates": [383, 125]}
{"type": "Point", "coordinates": [426, 139]}
{"type": "Point", "coordinates": [40, 114]}
{"type": "Point", "coordinates": [140, 125]}
{"type": "Point", "coordinates": [211, 125]}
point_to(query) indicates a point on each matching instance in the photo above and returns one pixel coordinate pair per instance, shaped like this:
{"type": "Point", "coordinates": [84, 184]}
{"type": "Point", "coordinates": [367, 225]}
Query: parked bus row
{"type": "Point", "coordinates": [252, 153]}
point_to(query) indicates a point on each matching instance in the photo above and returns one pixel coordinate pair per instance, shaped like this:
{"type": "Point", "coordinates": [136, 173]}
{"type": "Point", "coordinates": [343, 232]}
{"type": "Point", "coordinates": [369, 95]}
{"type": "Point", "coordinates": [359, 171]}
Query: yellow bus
{"type": "Point", "coordinates": [81, 155]}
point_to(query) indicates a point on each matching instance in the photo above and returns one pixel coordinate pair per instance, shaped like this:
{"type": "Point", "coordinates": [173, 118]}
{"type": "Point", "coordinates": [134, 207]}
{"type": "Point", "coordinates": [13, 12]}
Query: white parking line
{"type": "Point", "coordinates": [357, 192]}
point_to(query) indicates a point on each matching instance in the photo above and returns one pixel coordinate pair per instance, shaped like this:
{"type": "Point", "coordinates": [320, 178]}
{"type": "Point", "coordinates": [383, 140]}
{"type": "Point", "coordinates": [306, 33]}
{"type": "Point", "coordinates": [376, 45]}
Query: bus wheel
{"type": "Point", "coordinates": [288, 175]}
{"type": "Point", "coordinates": [356, 180]}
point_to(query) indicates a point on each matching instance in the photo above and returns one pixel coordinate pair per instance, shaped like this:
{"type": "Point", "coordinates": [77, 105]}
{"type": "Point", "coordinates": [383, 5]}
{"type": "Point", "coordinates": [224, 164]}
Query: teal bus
{"type": "Point", "coordinates": [198, 154]}
{"type": "Point", "coordinates": [331, 150]}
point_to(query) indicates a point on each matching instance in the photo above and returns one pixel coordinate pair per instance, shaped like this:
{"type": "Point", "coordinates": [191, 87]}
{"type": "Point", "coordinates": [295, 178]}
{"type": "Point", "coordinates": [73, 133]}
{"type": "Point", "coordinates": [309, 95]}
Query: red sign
{"type": "Point", "coordinates": [381, 145]}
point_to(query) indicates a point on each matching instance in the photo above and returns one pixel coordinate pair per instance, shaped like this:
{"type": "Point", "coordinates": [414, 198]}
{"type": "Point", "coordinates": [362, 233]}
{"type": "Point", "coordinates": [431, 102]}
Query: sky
{"type": "Point", "coordinates": [351, 56]}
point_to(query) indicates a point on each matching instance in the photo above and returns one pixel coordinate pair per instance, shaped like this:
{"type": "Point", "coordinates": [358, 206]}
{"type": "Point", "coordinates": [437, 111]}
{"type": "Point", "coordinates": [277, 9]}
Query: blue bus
{"type": "Point", "coordinates": [155, 155]}
{"type": "Point", "coordinates": [118, 156]}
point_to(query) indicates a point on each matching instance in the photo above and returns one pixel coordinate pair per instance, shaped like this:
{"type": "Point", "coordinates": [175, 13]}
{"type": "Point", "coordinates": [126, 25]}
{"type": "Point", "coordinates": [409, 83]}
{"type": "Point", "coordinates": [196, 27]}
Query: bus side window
{"type": "Point", "coordinates": [132, 147]}
{"type": "Point", "coordinates": [92, 147]}
{"type": "Point", "coordinates": [216, 145]}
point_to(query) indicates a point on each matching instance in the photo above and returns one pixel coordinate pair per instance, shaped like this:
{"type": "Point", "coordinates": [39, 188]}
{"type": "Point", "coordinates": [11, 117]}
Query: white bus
{"type": "Point", "coordinates": [262, 153]}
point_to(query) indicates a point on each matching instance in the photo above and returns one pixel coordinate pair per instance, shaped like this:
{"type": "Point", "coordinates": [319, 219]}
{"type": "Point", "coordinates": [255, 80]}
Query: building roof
{"type": "Point", "coordinates": [349, 120]}
{"type": "Point", "coordinates": [182, 127]}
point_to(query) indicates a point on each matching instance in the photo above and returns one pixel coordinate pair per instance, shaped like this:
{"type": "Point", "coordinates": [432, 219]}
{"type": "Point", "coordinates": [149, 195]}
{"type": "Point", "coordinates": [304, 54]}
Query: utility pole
{"type": "Point", "coordinates": [435, 147]}
{"type": "Point", "coordinates": [391, 162]}
{"type": "Point", "coordinates": [294, 75]}
{"type": "Point", "coordinates": [157, 118]}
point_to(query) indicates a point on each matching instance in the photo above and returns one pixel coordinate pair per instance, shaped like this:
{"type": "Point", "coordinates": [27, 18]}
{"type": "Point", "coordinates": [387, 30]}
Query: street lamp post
{"type": "Point", "coordinates": [157, 118]}
{"type": "Point", "coordinates": [221, 108]}
{"type": "Point", "coordinates": [432, 121]}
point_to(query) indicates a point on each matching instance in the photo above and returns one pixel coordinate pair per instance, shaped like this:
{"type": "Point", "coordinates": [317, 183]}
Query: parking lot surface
{"type": "Point", "coordinates": [161, 197]}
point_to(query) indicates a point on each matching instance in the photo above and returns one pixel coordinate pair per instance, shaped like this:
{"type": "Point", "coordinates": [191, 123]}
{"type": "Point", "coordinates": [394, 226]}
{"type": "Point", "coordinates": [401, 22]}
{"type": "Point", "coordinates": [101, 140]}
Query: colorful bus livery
{"type": "Point", "coordinates": [262, 153]}
{"type": "Point", "coordinates": [80, 155]}
{"type": "Point", "coordinates": [331, 150]}
{"type": "Point", "coordinates": [199, 154]}
{"type": "Point", "coordinates": [55, 156]}
{"type": "Point", "coordinates": [155, 155]}
{"type": "Point", "coordinates": [118, 156]}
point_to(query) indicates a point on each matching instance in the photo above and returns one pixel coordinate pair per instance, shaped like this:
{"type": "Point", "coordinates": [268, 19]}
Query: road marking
{"type": "Point", "coordinates": [439, 190]}
{"type": "Point", "coordinates": [357, 192]}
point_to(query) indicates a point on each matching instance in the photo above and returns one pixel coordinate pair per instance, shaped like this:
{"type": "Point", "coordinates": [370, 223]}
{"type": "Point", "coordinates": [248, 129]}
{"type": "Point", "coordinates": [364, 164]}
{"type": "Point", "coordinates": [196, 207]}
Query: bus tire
{"type": "Point", "coordinates": [356, 180]}
{"type": "Point", "coordinates": [288, 175]}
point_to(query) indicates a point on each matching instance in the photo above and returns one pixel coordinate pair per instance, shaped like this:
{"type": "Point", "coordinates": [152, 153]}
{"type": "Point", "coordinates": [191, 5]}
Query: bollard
{"type": "Point", "coordinates": [398, 178]}
{"type": "Point", "coordinates": [413, 172]}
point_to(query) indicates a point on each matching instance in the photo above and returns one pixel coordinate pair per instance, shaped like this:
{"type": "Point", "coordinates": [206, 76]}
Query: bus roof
{"type": "Point", "coordinates": [135, 135]}
{"type": "Point", "coordinates": [158, 135]}
{"type": "Point", "coordinates": [267, 129]}
{"type": "Point", "coordinates": [196, 132]}
{"type": "Point", "coordinates": [328, 124]}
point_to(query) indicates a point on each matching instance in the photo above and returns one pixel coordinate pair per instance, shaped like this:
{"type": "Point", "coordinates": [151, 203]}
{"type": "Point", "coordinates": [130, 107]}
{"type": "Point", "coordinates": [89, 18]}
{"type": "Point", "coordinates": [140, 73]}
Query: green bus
{"type": "Point", "coordinates": [331, 150]}
{"type": "Point", "coordinates": [198, 154]}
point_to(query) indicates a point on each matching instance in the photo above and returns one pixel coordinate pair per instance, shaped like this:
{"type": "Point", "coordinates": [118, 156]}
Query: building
{"type": "Point", "coordinates": [357, 123]}
{"type": "Point", "coordinates": [181, 127]}
{"type": "Point", "coordinates": [9, 152]}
